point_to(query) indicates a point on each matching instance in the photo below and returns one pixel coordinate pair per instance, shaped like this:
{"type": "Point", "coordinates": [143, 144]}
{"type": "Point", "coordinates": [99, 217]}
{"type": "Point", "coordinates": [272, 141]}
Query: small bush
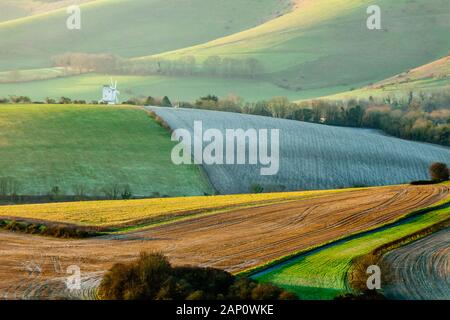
{"type": "Point", "coordinates": [139, 280]}
{"type": "Point", "coordinates": [64, 100]}
{"type": "Point", "coordinates": [257, 188]}
{"type": "Point", "coordinates": [126, 192]}
{"type": "Point", "coordinates": [152, 277]}
{"type": "Point", "coordinates": [439, 171]}
{"type": "Point", "coordinates": [20, 99]}
{"type": "Point", "coordinates": [266, 291]}
{"type": "Point", "coordinates": [166, 102]}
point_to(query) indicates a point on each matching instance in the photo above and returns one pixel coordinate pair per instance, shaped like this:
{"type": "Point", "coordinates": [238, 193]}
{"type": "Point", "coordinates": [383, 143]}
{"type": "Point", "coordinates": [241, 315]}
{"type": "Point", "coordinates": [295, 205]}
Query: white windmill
{"type": "Point", "coordinates": [110, 93]}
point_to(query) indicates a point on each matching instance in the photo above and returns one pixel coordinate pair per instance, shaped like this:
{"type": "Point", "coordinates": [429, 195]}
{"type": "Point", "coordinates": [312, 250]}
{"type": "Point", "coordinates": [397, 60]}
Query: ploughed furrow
{"type": "Point", "coordinates": [420, 270]}
{"type": "Point", "coordinates": [234, 240]}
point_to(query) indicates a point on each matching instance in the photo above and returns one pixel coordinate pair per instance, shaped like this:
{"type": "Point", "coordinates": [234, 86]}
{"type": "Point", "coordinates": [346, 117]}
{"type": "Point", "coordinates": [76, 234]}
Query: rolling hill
{"type": "Point", "coordinates": [15, 9]}
{"type": "Point", "coordinates": [305, 241]}
{"type": "Point", "coordinates": [431, 77]}
{"type": "Point", "coordinates": [314, 156]}
{"type": "Point", "coordinates": [128, 28]}
{"type": "Point", "coordinates": [92, 148]}
{"type": "Point", "coordinates": [314, 49]}
{"type": "Point", "coordinates": [234, 240]}
{"type": "Point", "coordinates": [327, 44]}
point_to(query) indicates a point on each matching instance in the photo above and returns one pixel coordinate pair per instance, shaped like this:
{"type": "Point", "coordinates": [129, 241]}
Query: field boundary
{"type": "Point", "coordinates": [55, 230]}
{"type": "Point", "coordinates": [287, 259]}
{"type": "Point", "coordinates": [160, 120]}
{"type": "Point", "coordinates": [171, 217]}
{"type": "Point", "coordinates": [359, 264]}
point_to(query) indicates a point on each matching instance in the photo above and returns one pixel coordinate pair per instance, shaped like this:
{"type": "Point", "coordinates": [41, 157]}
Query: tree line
{"type": "Point", "coordinates": [421, 117]}
{"type": "Point", "coordinates": [215, 66]}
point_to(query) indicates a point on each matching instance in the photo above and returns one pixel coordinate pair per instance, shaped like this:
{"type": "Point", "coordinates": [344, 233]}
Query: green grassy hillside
{"type": "Point", "coordinates": [10, 10]}
{"type": "Point", "coordinates": [320, 48]}
{"type": "Point", "coordinates": [15, 9]}
{"type": "Point", "coordinates": [326, 43]}
{"type": "Point", "coordinates": [128, 28]}
{"type": "Point", "coordinates": [433, 76]}
{"type": "Point", "coordinates": [95, 147]}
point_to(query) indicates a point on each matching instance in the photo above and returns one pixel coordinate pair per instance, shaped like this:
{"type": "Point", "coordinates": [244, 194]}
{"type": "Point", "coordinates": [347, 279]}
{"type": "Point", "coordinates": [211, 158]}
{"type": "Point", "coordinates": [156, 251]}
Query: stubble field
{"type": "Point", "coordinates": [235, 241]}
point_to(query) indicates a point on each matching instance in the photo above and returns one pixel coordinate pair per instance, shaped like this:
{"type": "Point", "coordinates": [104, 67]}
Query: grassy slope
{"type": "Point", "coordinates": [24, 76]}
{"type": "Point", "coordinates": [430, 77]}
{"type": "Point", "coordinates": [44, 146]}
{"type": "Point", "coordinates": [433, 76]}
{"type": "Point", "coordinates": [322, 274]}
{"type": "Point", "coordinates": [128, 27]}
{"type": "Point", "coordinates": [11, 10]}
{"type": "Point", "coordinates": [321, 48]}
{"type": "Point", "coordinates": [326, 43]}
{"type": "Point", "coordinates": [15, 9]}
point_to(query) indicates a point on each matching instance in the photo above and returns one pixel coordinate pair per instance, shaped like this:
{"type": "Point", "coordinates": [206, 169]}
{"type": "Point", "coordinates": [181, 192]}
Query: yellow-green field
{"type": "Point", "coordinates": [120, 212]}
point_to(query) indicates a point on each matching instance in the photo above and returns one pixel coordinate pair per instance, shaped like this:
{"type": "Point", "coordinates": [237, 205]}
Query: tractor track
{"type": "Point", "coordinates": [421, 269]}
{"type": "Point", "coordinates": [234, 240]}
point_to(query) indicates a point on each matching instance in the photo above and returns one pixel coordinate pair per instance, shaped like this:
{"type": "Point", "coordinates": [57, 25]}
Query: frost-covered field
{"type": "Point", "coordinates": [314, 156]}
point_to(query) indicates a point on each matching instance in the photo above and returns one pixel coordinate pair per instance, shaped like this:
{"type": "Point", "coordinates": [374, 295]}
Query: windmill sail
{"type": "Point", "coordinates": [110, 93]}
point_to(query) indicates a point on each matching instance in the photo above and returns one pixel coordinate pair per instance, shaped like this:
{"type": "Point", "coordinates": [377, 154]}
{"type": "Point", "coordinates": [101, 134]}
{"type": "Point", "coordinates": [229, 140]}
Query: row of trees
{"type": "Point", "coordinates": [27, 100]}
{"type": "Point", "coordinates": [11, 188]}
{"type": "Point", "coordinates": [184, 66]}
{"type": "Point", "coordinates": [87, 62]}
{"type": "Point", "coordinates": [150, 101]}
{"type": "Point", "coordinates": [143, 101]}
{"type": "Point", "coordinates": [425, 117]}
{"type": "Point", "coordinates": [420, 117]}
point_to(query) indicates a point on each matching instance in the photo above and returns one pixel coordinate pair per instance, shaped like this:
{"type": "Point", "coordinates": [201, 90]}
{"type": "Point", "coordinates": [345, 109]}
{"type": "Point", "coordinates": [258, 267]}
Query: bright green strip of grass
{"type": "Point", "coordinates": [43, 146]}
{"type": "Point", "coordinates": [322, 274]}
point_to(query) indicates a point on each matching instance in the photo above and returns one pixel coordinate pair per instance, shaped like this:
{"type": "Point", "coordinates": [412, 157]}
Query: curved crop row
{"type": "Point", "coordinates": [322, 273]}
{"type": "Point", "coordinates": [313, 156]}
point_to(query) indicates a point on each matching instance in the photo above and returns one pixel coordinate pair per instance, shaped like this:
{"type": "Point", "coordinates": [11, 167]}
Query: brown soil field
{"type": "Point", "coordinates": [421, 269]}
{"type": "Point", "coordinates": [34, 267]}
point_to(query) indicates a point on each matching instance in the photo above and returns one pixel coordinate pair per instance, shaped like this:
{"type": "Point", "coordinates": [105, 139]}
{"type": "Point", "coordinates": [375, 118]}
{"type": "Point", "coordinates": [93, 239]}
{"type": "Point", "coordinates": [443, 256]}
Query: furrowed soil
{"type": "Point", "coordinates": [420, 270]}
{"type": "Point", "coordinates": [35, 267]}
